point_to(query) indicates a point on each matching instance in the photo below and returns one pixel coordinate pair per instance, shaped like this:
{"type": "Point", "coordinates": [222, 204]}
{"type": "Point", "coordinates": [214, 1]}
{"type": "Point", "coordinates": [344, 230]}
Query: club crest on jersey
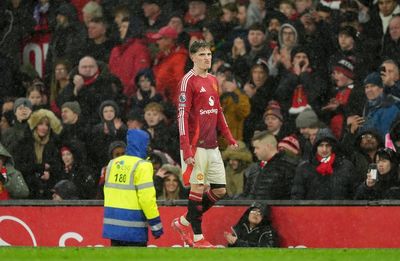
{"type": "Point", "coordinates": [202, 89]}
{"type": "Point", "coordinates": [211, 101]}
{"type": "Point", "coordinates": [182, 97]}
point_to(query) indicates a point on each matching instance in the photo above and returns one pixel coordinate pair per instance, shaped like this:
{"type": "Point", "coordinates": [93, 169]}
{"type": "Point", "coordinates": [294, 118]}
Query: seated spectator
{"type": "Point", "coordinates": [146, 90]}
{"type": "Point", "coordinates": [162, 137]}
{"type": "Point", "coordinates": [76, 170]}
{"type": "Point", "coordinates": [132, 55]}
{"type": "Point", "coordinates": [384, 183]}
{"type": "Point", "coordinates": [326, 175]}
{"type": "Point", "coordinates": [380, 109]}
{"type": "Point", "coordinates": [276, 176]}
{"type": "Point", "coordinates": [169, 63]}
{"type": "Point", "coordinates": [237, 161]}
{"type": "Point", "coordinates": [65, 190]}
{"type": "Point", "coordinates": [22, 112]}
{"type": "Point", "coordinates": [390, 77]}
{"type": "Point", "coordinates": [37, 156]}
{"type": "Point", "coordinates": [12, 183]}
{"type": "Point", "coordinates": [254, 229]}
{"type": "Point", "coordinates": [168, 184]}
{"type": "Point", "coordinates": [59, 81]}
{"type": "Point", "coordinates": [111, 128]}
{"type": "Point", "coordinates": [117, 148]}
{"type": "Point", "coordinates": [91, 85]}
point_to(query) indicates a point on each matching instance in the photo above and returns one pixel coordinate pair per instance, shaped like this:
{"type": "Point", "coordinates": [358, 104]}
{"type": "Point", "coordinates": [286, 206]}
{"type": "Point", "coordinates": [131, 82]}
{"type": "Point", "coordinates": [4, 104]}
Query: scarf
{"type": "Point", "coordinates": [89, 80]}
{"type": "Point", "coordinates": [325, 164]}
{"type": "Point", "coordinates": [39, 146]}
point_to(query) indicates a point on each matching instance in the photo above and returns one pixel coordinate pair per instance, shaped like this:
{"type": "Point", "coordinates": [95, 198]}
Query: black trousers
{"type": "Point", "coordinates": [127, 243]}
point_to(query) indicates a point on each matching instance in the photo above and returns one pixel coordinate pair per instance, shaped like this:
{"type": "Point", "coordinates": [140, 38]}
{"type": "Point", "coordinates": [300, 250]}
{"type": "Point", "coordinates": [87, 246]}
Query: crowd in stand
{"type": "Point", "coordinates": [310, 89]}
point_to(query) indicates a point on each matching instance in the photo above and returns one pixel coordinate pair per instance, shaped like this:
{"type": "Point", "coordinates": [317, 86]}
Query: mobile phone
{"type": "Point", "coordinates": [373, 171]}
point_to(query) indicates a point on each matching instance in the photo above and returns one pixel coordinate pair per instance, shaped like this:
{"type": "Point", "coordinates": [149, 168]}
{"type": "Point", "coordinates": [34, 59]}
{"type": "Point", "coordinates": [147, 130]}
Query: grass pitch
{"type": "Point", "coordinates": [174, 254]}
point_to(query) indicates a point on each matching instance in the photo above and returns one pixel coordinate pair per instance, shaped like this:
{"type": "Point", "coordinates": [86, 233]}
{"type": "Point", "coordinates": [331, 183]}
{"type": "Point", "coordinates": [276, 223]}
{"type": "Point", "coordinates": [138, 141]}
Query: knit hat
{"type": "Point", "coordinates": [373, 78]}
{"type": "Point", "coordinates": [290, 143]}
{"type": "Point", "coordinates": [307, 119]}
{"type": "Point", "coordinates": [73, 106]}
{"type": "Point", "coordinates": [66, 189]}
{"type": "Point", "coordinates": [346, 67]}
{"type": "Point", "coordinates": [299, 49]}
{"type": "Point", "coordinates": [274, 109]}
{"type": "Point", "coordinates": [64, 148]}
{"type": "Point", "coordinates": [22, 101]}
{"type": "Point", "coordinates": [349, 31]}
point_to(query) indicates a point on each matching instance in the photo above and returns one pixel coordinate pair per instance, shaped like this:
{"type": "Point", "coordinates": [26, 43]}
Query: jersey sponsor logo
{"type": "Point", "coordinates": [208, 112]}
{"type": "Point", "coordinates": [211, 101]}
{"type": "Point", "coordinates": [202, 89]}
{"type": "Point", "coordinates": [182, 97]}
{"type": "Point", "coordinates": [200, 176]}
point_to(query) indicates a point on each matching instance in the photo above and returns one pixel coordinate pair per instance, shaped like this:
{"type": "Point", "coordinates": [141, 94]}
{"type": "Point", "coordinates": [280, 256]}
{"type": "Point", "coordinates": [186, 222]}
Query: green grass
{"type": "Point", "coordinates": [174, 254]}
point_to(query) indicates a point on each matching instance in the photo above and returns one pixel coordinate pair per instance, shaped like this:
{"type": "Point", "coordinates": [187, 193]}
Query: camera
{"type": "Point", "coordinates": [372, 169]}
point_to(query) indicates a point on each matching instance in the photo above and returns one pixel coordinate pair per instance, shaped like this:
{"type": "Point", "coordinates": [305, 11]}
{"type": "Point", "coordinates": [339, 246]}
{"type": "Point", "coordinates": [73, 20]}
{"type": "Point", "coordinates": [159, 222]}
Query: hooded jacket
{"type": "Point", "coordinates": [263, 235]}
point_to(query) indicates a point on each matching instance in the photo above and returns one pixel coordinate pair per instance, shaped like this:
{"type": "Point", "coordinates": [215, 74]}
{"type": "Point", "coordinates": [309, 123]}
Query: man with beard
{"type": "Point", "coordinates": [274, 21]}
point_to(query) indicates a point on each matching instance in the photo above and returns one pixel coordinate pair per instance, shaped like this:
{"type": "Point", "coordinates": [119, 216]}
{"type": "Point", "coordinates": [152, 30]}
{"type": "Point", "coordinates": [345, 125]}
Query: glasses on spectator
{"type": "Point", "coordinates": [255, 212]}
{"type": "Point", "coordinates": [367, 136]}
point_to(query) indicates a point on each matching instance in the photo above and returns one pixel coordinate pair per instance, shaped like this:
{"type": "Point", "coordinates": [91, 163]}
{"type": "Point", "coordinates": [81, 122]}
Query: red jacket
{"type": "Point", "coordinates": [168, 69]}
{"type": "Point", "coordinates": [126, 60]}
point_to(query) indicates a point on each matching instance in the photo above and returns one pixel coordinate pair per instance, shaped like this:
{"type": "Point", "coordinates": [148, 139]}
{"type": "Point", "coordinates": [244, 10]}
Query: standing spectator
{"type": "Point", "coordinates": [146, 90]}
{"type": "Point", "coordinates": [200, 116]}
{"type": "Point", "coordinates": [387, 177]}
{"type": "Point", "coordinates": [391, 48]}
{"type": "Point", "coordinates": [154, 15]}
{"type": "Point", "coordinates": [36, 95]}
{"type": "Point", "coordinates": [253, 229]}
{"type": "Point", "coordinates": [380, 109]}
{"type": "Point", "coordinates": [68, 41]}
{"type": "Point", "coordinates": [59, 81]}
{"type": "Point", "coordinates": [326, 175]}
{"type": "Point", "coordinates": [195, 17]}
{"type": "Point", "coordinates": [132, 55]}
{"type": "Point", "coordinates": [12, 183]}
{"type": "Point", "coordinates": [236, 107]}
{"type": "Point", "coordinates": [90, 11]}
{"type": "Point", "coordinates": [22, 111]}
{"type": "Point", "coordinates": [37, 156]}
{"type": "Point", "coordinates": [75, 169]}
{"type": "Point", "coordinates": [169, 64]}
{"type": "Point", "coordinates": [91, 85]}
{"type": "Point", "coordinates": [276, 176]}
{"type": "Point", "coordinates": [124, 202]}
{"type": "Point", "coordinates": [99, 45]}
{"type": "Point", "coordinates": [237, 161]}
{"type": "Point", "coordinates": [274, 121]}
{"type": "Point", "coordinates": [390, 77]}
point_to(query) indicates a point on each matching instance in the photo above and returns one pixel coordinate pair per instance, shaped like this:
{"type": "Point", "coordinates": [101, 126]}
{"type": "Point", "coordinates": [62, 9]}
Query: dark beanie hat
{"type": "Point", "coordinates": [373, 78]}
{"type": "Point", "coordinates": [73, 106]}
{"type": "Point", "coordinates": [66, 189]}
{"type": "Point", "coordinates": [299, 49]}
{"type": "Point", "coordinates": [307, 119]}
{"type": "Point", "coordinates": [346, 67]}
{"type": "Point", "coordinates": [22, 101]}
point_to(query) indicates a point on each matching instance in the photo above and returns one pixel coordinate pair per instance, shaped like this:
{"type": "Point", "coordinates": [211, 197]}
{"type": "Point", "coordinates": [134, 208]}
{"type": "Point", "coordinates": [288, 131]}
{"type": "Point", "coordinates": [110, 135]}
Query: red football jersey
{"type": "Point", "coordinates": [200, 114]}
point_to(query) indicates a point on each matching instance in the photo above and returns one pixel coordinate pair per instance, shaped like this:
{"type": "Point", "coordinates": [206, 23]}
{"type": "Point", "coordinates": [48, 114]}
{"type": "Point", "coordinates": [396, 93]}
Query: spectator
{"type": "Point", "coordinates": [12, 183]}
{"type": "Point", "coordinates": [390, 77]}
{"type": "Point", "coordinates": [154, 15]}
{"type": "Point", "coordinates": [276, 177]}
{"type": "Point", "coordinates": [22, 111]}
{"type": "Point", "coordinates": [68, 41]}
{"type": "Point", "coordinates": [135, 119]}
{"type": "Point", "coordinates": [35, 96]}
{"type": "Point", "coordinates": [395, 137]}
{"type": "Point", "coordinates": [65, 190]}
{"type": "Point", "coordinates": [111, 128]}
{"type": "Point", "coordinates": [380, 109]}
{"type": "Point", "coordinates": [195, 17]}
{"type": "Point", "coordinates": [59, 81]}
{"type": "Point", "coordinates": [384, 185]}
{"type": "Point", "coordinates": [288, 8]}
{"type": "Point", "coordinates": [176, 22]}
{"type": "Point", "coordinates": [253, 229]}
{"type": "Point", "coordinates": [37, 156]}
{"type": "Point", "coordinates": [273, 121]}
{"type": "Point", "coordinates": [146, 90]}
{"type": "Point", "coordinates": [132, 55]}
{"type": "Point", "coordinates": [44, 16]}
{"type": "Point", "coordinates": [75, 169]}
{"type": "Point", "coordinates": [168, 183]}
{"type": "Point", "coordinates": [92, 10]}
{"type": "Point", "coordinates": [236, 107]}
{"type": "Point", "coordinates": [326, 175]}
{"type": "Point", "coordinates": [273, 21]}
{"type": "Point", "coordinates": [237, 161]}
{"type": "Point", "coordinates": [91, 85]}
{"type": "Point", "coordinates": [256, 12]}
{"type": "Point", "coordinates": [99, 45]}
{"type": "Point", "coordinates": [169, 63]}
{"type": "Point", "coordinates": [117, 148]}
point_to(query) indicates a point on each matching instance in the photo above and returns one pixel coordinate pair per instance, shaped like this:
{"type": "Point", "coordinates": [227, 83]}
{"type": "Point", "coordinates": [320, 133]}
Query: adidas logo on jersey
{"type": "Point", "coordinates": [202, 89]}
